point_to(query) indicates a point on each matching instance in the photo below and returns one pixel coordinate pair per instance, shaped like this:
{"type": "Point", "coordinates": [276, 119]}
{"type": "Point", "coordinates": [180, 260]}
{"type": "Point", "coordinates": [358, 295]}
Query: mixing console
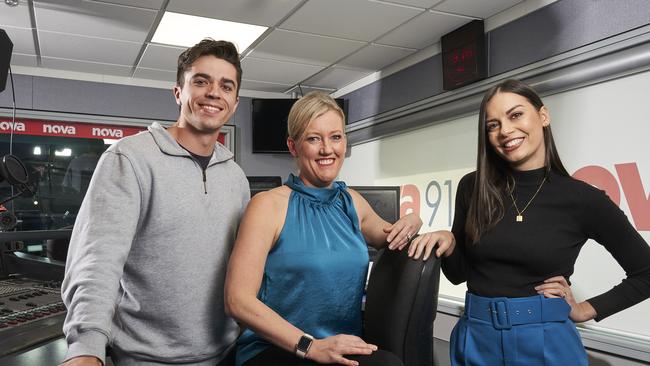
{"type": "Point", "coordinates": [31, 311]}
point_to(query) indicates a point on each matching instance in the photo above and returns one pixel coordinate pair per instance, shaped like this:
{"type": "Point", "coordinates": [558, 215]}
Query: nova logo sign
{"type": "Point", "coordinates": [59, 129]}
{"type": "Point", "coordinates": [107, 132]}
{"type": "Point", "coordinates": [6, 126]}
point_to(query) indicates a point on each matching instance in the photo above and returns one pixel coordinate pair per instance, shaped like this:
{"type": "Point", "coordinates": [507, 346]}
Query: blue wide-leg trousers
{"type": "Point", "coordinates": [531, 331]}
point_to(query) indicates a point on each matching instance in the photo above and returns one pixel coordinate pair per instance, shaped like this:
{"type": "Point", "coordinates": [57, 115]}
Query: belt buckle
{"type": "Point", "coordinates": [496, 309]}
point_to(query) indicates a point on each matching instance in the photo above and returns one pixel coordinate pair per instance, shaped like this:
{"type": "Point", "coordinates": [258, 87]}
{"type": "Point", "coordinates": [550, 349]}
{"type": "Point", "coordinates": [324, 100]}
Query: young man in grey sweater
{"type": "Point", "coordinates": [148, 253]}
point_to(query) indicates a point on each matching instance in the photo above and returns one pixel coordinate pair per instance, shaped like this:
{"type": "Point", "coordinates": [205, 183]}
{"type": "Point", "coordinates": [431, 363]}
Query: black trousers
{"type": "Point", "coordinates": [230, 359]}
{"type": "Point", "coordinates": [274, 356]}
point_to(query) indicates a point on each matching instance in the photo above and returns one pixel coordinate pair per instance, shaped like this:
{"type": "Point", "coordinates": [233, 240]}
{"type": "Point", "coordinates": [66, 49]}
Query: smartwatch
{"type": "Point", "coordinates": [303, 345]}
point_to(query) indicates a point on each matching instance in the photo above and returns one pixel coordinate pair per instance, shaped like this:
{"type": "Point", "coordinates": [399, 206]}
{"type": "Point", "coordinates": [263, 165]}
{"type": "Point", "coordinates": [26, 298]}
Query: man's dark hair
{"type": "Point", "coordinates": [220, 49]}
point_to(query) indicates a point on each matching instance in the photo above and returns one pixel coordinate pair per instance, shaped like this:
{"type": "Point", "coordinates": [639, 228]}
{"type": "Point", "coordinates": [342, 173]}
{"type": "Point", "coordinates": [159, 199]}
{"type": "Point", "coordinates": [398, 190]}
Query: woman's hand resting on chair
{"type": "Point", "coordinates": [442, 241]}
{"type": "Point", "coordinates": [333, 349]}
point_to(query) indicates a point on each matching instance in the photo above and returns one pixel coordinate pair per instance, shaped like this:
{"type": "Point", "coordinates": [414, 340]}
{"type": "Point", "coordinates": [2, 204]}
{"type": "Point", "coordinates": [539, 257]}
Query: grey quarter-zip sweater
{"type": "Point", "coordinates": [148, 254]}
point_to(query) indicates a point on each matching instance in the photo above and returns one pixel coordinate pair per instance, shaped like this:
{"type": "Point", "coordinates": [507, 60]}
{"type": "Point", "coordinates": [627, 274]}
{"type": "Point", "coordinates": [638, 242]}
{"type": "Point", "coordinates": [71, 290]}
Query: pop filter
{"type": "Point", "coordinates": [13, 171]}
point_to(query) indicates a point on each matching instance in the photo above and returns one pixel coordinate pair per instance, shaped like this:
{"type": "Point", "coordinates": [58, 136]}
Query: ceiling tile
{"type": "Point", "coordinates": [15, 16]}
{"type": "Point", "coordinates": [304, 48]}
{"type": "Point", "coordinates": [147, 4]}
{"type": "Point", "coordinates": [154, 74]}
{"type": "Point", "coordinates": [88, 49]}
{"type": "Point", "coordinates": [267, 12]}
{"type": "Point", "coordinates": [480, 9]}
{"type": "Point", "coordinates": [105, 36]}
{"type": "Point", "coordinates": [263, 86]}
{"type": "Point", "coordinates": [359, 20]}
{"type": "Point", "coordinates": [23, 40]}
{"type": "Point", "coordinates": [18, 59]}
{"type": "Point", "coordinates": [419, 3]}
{"type": "Point", "coordinates": [94, 19]}
{"type": "Point", "coordinates": [336, 78]}
{"type": "Point", "coordinates": [89, 67]}
{"type": "Point", "coordinates": [277, 71]}
{"type": "Point", "coordinates": [375, 57]}
{"type": "Point", "coordinates": [161, 57]}
{"type": "Point", "coordinates": [302, 90]}
{"type": "Point", "coordinates": [423, 31]}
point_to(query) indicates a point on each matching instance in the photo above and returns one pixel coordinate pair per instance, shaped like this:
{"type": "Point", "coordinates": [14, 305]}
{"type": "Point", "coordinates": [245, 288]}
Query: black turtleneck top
{"type": "Point", "coordinates": [514, 257]}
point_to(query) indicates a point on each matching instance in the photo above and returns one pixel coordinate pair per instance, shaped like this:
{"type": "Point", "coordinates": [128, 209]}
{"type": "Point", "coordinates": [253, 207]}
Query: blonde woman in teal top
{"type": "Point", "coordinates": [297, 272]}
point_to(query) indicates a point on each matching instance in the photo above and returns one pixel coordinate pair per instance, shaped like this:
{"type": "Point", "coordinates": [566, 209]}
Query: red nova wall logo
{"type": "Point", "coordinates": [24, 126]}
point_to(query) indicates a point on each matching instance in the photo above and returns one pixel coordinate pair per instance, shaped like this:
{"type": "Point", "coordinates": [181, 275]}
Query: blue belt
{"type": "Point", "coordinates": [505, 312]}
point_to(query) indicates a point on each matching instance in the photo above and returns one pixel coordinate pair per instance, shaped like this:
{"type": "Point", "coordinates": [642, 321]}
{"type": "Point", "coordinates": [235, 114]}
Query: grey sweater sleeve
{"type": "Point", "coordinates": [101, 240]}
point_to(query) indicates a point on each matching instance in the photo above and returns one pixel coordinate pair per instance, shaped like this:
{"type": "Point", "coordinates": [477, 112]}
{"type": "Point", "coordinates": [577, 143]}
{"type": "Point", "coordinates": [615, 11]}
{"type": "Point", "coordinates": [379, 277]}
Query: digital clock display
{"type": "Point", "coordinates": [463, 55]}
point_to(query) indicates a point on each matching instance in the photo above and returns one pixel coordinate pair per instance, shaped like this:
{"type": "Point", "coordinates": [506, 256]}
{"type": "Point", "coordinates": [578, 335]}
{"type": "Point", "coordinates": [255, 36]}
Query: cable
{"type": "Point", "coordinates": [13, 114]}
{"type": "Point", "coordinates": [11, 135]}
{"type": "Point", "coordinates": [20, 193]}
{"type": "Point", "coordinates": [300, 88]}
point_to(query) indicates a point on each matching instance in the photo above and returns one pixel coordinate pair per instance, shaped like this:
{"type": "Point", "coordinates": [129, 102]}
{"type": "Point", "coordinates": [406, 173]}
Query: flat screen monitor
{"type": "Point", "coordinates": [384, 200]}
{"type": "Point", "coordinates": [269, 120]}
{"type": "Point", "coordinates": [258, 184]}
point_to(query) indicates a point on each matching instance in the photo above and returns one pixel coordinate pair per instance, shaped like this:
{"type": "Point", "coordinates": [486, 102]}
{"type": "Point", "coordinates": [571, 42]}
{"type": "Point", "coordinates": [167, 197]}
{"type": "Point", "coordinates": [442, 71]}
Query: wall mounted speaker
{"type": "Point", "coordinates": [5, 57]}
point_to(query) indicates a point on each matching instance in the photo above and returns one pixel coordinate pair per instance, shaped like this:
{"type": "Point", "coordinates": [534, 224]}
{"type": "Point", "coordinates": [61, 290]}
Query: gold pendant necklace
{"type": "Point", "coordinates": [520, 214]}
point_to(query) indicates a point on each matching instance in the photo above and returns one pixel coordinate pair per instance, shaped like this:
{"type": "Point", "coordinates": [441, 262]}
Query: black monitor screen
{"type": "Point", "coordinates": [269, 119]}
{"type": "Point", "coordinates": [383, 199]}
{"type": "Point", "coordinates": [259, 184]}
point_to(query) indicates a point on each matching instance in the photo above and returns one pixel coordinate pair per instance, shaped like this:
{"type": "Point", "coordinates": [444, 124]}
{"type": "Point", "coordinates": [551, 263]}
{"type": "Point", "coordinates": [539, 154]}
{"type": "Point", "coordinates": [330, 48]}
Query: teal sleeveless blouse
{"type": "Point", "coordinates": [315, 273]}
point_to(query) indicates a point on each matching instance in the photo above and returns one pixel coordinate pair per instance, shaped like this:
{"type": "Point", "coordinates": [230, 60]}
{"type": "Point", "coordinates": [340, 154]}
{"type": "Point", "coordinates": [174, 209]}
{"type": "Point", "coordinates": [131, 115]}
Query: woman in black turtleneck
{"type": "Point", "coordinates": [520, 223]}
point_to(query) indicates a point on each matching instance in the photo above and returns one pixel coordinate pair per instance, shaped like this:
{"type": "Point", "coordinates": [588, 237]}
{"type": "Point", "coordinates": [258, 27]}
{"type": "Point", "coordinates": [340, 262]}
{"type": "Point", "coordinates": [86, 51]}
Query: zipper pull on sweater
{"type": "Point", "coordinates": [205, 183]}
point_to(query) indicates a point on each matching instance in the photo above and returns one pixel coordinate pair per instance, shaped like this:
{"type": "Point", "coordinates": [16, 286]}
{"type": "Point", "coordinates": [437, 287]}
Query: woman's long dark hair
{"type": "Point", "coordinates": [487, 206]}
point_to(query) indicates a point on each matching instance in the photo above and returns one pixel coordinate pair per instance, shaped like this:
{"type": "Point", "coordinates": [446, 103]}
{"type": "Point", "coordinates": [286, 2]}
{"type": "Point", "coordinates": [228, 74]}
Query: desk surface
{"type": "Point", "coordinates": [46, 354]}
{"type": "Point", "coordinates": [49, 353]}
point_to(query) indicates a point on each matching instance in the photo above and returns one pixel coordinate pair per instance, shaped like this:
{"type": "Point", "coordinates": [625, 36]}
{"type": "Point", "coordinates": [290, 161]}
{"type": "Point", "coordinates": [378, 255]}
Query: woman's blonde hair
{"type": "Point", "coordinates": [312, 105]}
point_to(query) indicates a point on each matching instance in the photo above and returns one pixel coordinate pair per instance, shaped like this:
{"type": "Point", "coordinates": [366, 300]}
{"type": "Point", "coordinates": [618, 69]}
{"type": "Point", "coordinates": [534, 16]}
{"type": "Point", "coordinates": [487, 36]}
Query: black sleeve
{"type": "Point", "coordinates": [455, 266]}
{"type": "Point", "coordinates": [608, 225]}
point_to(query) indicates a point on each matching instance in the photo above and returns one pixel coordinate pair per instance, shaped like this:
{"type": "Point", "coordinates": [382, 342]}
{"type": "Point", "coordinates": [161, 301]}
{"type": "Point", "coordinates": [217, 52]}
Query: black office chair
{"type": "Point", "coordinates": [401, 305]}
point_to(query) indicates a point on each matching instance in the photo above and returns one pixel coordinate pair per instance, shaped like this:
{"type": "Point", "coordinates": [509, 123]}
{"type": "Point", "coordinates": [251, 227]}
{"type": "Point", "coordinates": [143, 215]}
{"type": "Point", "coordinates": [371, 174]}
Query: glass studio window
{"type": "Point", "coordinates": [59, 172]}
{"type": "Point", "coordinates": [60, 158]}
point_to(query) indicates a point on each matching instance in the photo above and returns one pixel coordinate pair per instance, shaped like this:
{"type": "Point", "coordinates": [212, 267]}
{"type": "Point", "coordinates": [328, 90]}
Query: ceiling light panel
{"type": "Point", "coordinates": [187, 30]}
{"type": "Point", "coordinates": [260, 12]}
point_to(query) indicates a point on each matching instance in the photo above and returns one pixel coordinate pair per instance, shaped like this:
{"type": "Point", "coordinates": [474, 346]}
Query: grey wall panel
{"type": "Point", "coordinates": [560, 27]}
{"type": "Point", "coordinates": [72, 96]}
{"type": "Point", "coordinates": [23, 85]}
{"type": "Point", "coordinates": [414, 83]}
{"type": "Point", "coordinates": [257, 164]}
{"type": "Point", "coordinates": [605, 62]}
{"type": "Point", "coordinates": [549, 31]}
